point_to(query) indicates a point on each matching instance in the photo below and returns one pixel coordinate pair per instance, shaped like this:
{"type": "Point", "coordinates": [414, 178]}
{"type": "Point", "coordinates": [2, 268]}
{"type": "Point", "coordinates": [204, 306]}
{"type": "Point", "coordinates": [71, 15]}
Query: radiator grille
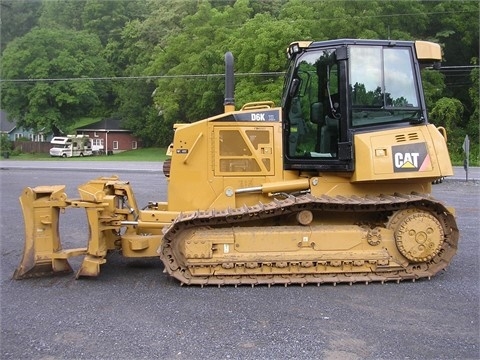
{"type": "Point", "coordinates": [407, 137]}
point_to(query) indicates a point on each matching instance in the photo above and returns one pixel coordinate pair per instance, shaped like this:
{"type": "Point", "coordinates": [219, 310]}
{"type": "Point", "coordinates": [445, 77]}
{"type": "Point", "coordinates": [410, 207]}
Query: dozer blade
{"type": "Point", "coordinates": [90, 266]}
{"type": "Point", "coordinates": [108, 203]}
{"type": "Point", "coordinates": [42, 253]}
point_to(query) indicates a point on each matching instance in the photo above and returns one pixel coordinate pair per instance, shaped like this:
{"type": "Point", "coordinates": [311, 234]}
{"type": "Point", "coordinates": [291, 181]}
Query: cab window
{"type": "Point", "coordinates": [313, 113]}
{"type": "Point", "coordinates": [382, 86]}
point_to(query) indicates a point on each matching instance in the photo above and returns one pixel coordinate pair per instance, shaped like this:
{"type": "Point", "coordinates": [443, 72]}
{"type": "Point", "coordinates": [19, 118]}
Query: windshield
{"type": "Point", "coordinates": [381, 81]}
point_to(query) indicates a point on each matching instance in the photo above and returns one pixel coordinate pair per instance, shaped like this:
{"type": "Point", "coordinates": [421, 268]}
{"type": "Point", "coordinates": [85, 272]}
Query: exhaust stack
{"type": "Point", "coordinates": [229, 103]}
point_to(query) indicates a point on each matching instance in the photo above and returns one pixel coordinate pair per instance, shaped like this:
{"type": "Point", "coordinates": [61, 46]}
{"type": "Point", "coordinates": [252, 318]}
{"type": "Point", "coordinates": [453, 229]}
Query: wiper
{"type": "Point", "coordinates": [415, 121]}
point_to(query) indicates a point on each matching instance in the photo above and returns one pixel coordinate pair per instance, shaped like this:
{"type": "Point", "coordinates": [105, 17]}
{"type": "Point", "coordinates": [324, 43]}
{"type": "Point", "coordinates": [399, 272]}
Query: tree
{"type": "Point", "coordinates": [17, 18]}
{"type": "Point", "coordinates": [474, 121]}
{"type": "Point", "coordinates": [456, 25]}
{"type": "Point", "coordinates": [52, 58]}
{"type": "Point", "coordinates": [263, 56]}
{"type": "Point", "coordinates": [107, 18]}
{"type": "Point", "coordinates": [65, 14]}
{"type": "Point", "coordinates": [130, 54]}
{"type": "Point", "coordinates": [433, 86]}
{"type": "Point", "coordinates": [197, 50]}
{"type": "Point", "coordinates": [6, 145]}
{"type": "Point", "coordinates": [448, 113]}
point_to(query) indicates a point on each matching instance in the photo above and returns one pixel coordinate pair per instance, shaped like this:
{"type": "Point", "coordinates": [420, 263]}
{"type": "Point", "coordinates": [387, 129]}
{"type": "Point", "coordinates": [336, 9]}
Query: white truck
{"type": "Point", "coordinates": [71, 145]}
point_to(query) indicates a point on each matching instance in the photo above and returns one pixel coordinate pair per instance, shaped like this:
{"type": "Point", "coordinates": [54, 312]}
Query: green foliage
{"type": "Point", "coordinates": [433, 86]}
{"type": "Point", "coordinates": [18, 17]}
{"type": "Point", "coordinates": [65, 14]}
{"type": "Point", "coordinates": [6, 145]}
{"type": "Point", "coordinates": [107, 18]}
{"type": "Point", "coordinates": [52, 54]}
{"type": "Point", "coordinates": [448, 112]}
{"type": "Point", "coordinates": [198, 49]}
{"type": "Point", "coordinates": [473, 125]}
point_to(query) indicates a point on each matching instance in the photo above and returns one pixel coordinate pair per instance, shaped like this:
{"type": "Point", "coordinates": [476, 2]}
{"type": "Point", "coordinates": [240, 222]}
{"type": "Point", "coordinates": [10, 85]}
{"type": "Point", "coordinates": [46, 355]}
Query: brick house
{"type": "Point", "coordinates": [108, 136]}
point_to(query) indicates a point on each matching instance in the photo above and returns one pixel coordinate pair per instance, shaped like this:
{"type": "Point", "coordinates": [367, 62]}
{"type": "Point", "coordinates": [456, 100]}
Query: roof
{"type": "Point", "coordinates": [6, 126]}
{"type": "Point", "coordinates": [110, 124]}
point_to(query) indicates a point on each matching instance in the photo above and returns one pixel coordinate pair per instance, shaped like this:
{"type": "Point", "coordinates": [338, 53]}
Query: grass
{"type": "Point", "coordinates": [146, 154]}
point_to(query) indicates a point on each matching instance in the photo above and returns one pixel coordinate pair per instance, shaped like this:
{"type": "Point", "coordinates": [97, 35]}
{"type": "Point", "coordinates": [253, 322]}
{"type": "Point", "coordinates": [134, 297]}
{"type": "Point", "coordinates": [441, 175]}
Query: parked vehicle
{"type": "Point", "coordinates": [71, 145]}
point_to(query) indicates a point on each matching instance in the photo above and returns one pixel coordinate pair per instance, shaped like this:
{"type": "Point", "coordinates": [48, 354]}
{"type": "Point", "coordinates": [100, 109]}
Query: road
{"type": "Point", "coordinates": [149, 166]}
{"type": "Point", "coordinates": [134, 311]}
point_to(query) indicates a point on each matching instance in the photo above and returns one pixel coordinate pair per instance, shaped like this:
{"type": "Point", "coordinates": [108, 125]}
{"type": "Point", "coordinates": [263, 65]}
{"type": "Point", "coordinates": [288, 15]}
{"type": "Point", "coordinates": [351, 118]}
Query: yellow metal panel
{"type": "Point", "coordinates": [427, 50]}
{"type": "Point", "coordinates": [413, 152]}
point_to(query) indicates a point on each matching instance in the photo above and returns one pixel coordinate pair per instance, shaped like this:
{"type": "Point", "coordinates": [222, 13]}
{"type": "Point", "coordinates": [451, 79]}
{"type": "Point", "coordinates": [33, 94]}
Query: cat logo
{"type": "Point", "coordinates": [406, 160]}
{"type": "Point", "coordinates": [411, 157]}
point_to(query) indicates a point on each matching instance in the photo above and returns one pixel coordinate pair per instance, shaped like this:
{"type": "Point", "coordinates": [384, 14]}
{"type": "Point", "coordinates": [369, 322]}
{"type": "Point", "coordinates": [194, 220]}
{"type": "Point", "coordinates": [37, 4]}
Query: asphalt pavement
{"type": "Point", "coordinates": [151, 166]}
{"type": "Point", "coordinates": [83, 165]}
{"type": "Point", "coordinates": [135, 311]}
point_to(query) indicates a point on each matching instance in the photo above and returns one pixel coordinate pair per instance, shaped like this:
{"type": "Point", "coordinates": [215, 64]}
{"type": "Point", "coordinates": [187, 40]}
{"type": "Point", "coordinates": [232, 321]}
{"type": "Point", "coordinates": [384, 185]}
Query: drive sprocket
{"type": "Point", "coordinates": [418, 234]}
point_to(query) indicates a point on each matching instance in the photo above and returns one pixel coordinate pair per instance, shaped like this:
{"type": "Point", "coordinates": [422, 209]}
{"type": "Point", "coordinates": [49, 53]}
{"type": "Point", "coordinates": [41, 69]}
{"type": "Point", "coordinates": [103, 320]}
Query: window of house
{"type": "Point", "coordinates": [134, 145]}
{"type": "Point", "coordinates": [37, 137]}
{"type": "Point", "coordinates": [115, 145]}
{"type": "Point", "coordinates": [18, 136]}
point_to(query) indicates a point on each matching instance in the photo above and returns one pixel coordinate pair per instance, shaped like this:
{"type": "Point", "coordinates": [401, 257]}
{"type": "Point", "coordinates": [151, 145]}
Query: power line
{"type": "Point", "coordinates": [395, 15]}
{"type": "Point", "coordinates": [449, 68]}
{"type": "Point", "coordinates": [452, 68]}
{"type": "Point", "coordinates": [470, 67]}
{"type": "Point", "coordinates": [146, 77]}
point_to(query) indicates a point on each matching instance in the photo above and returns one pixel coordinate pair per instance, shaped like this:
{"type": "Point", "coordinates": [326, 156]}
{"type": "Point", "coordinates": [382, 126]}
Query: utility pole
{"type": "Point", "coordinates": [466, 149]}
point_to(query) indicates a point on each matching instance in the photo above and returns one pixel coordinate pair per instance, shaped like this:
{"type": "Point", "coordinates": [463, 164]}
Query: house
{"type": "Point", "coordinates": [25, 140]}
{"type": "Point", "coordinates": [14, 133]}
{"type": "Point", "coordinates": [6, 126]}
{"type": "Point", "coordinates": [109, 136]}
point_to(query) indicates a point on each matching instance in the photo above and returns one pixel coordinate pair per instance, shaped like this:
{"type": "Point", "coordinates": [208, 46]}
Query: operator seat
{"type": "Point", "coordinates": [329, 135]}
{"type": "Point", "coordinates": [327, 129]}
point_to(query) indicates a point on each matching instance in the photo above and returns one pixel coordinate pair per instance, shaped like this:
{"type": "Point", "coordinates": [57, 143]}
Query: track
{"type": "Point", "coordinates": [399, 215]}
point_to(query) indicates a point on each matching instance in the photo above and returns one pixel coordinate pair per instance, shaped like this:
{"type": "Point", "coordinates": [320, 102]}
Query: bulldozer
{"type": "Point", "coordinates": [334, 186]}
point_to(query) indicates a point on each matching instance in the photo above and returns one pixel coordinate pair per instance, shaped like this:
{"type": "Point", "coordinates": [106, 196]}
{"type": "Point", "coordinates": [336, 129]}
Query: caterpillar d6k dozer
{"type": "Point", "coordinates": [333, 186]}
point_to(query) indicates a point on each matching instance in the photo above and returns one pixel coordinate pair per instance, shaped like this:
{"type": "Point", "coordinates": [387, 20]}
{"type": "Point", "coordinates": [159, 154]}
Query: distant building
{"type": "Point", "coordinates": [9, 127]}
{"type": "Point", "coordinates": [6, 126]}
{"type": "Point", "coordinates": [108, 134]}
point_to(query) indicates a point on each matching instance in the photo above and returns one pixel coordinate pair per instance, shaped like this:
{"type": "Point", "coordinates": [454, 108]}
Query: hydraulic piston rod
{"type": "Point", "coordinates": [284, 186]}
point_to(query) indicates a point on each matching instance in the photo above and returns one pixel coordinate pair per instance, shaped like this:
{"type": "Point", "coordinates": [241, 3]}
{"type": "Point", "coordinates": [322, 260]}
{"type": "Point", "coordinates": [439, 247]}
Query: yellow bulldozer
{"type": "Point", "coordinates": [333, 187]}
